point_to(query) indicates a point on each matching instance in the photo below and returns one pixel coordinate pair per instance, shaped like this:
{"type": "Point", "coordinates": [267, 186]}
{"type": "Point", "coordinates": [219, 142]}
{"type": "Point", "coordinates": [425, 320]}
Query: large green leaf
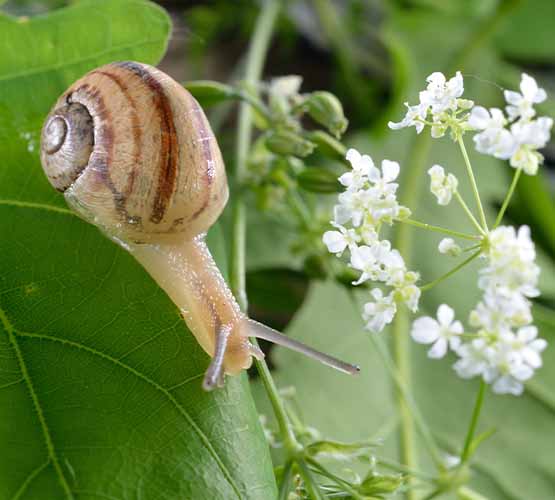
{"type": "Point", "coordinates": [99, 378]}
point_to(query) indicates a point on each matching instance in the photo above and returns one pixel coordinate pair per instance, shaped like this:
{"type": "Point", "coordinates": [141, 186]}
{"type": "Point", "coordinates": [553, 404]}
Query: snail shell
{"type": "Point", "coordinates": [134, 154]}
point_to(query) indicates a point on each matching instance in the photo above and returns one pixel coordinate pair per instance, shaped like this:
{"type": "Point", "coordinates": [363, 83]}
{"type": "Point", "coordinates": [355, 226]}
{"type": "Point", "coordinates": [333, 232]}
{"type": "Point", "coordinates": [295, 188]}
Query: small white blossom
{"type": "Point", "coordinates": [361, 165]}
{"type": "Point", "coordinates": [286, 86]}
{"type": "Point", "coordinates": [410, 294]}
{"type": "Point", "coordinates": [441, 95]}
{"type": "Point", "coordinates": [439, 106]}
{"type": "Point", "coordinates": [337, 241]}
{"type": "Point", "coordinates": [495, 140]}
{"type": "Point", "coordinates": [447, 246]}
{"type": "Point", "coordinates": [526, 345]}
{"type": "Point", "coordinates": [506, 372]}
{"type": "Point", "coordinates": [379, 313]}
{"type": "Point", "coordinates": [528, 138]}
{"type": "Point", "coordinates": [441, 185]}
{"type": "Point", "coordinates": [521, 105]}
{"type": "Point", "coordinates": [441, 333]}
{"type": "Point", "coordinates": [473, 358]}
{"type": "Point", "coordinates": [414, 117]}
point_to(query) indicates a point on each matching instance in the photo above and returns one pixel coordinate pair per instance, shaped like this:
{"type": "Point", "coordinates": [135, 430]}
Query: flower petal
{"type": "Point", "coordinates": [445, 315]}
{"type": "Point", "coordinates": [425, 330]}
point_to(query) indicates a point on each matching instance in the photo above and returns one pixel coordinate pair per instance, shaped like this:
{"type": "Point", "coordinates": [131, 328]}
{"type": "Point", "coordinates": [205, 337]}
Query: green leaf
{"type": "Point", "coordinates": [100, 379]}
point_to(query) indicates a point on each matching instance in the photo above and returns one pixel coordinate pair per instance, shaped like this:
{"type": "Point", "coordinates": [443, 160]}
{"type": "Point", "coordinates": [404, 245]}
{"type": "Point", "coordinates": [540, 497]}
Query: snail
{"type": "Point", "coordinates": [133, 153]}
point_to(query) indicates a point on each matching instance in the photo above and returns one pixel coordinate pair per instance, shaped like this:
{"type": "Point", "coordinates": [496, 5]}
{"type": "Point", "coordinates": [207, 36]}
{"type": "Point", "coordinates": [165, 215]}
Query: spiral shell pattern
{"type": "Point", "coordinates": [133, 153]}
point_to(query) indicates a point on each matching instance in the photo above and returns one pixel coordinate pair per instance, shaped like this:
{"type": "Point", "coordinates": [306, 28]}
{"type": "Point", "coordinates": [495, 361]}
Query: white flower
{"type": "Point", "coordinates": [441, 185]}
{"type": "Point", "coordinates": [414, 117]}
{"type": "Point", "coordinates": [511, 266]}
{"type": "Point", "coordinates": [495, 139]}
{"type": "Point", "coordinates": [473, 358]}
{"type": "Point", "coordinates": [506, 372]}
{"type": "Point", "coordinates": [441, 95]}
{"type": "Point", "coordinates": [447, 246]}
{"type": "Point", "coordinates": [522, 105]}
{"type": "Point", "coordinates": [529, 137]}
{"type": "Point", "coordinates": [286, 86]}
{"type": "Point", "coordinates": [526, 345]}
{"type": "Point", "coordinates": [379, 313]}
{"type": "Point", "coordinates": [383, 181]}
{"type": "Point", "coordinates": [441, 333]}
{"type": "Point", "coordinates": [410, 295]}
{"type": "Point", "coordinates": [353, 206]}
{"type": "Point", "coordinates": [337, 241]}
{"type": "Point", "coordinates": [370, 260]}
{"type": "Point", "coordinates": [361, 165]}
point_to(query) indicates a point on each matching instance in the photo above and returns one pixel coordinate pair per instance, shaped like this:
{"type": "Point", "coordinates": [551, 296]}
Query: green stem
{"type": "Point", "coordinates": [388, 464]}
{"type": "Point", "coordinates": [470, 173]}
{"type": "Point", "coordinates": [439, 229]}
{"type": "Point", "coordinates": [413, 412]}
{"type": "Point", "coordinates": [507, 199]}
{"type": "Point", "coordinates": [430, 285]}
{"type": "Point", "coordinates": [469, 213]}
{"type": "Point", "coordinates": [255, 61]}
{"type": "Point", "coordinates": [465, 455]}
{"type": "Point", "coordinates": [309, 482]}
{"type": "Point", "coordinates": [400, 339]}
{"type": "Point", "coordinates": [433, 494]}
{"type": "Point", "coordinates": [285, 484]}
{"type": "Point", "coordinates": [320, 469]}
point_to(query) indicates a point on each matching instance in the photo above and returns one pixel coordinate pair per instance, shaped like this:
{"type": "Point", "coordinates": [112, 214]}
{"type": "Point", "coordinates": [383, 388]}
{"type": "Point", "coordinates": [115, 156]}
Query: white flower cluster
{"type": "Point", "coordinates": [369, 201]}
{"type": "Point", "coordinates": [518, 136]}
{"type": "Point", "coordinates": [515, 137]}
{"type": "Point", "coordinates": [439, 105]}
{"type": "Point", "coordinates": [505, 349]}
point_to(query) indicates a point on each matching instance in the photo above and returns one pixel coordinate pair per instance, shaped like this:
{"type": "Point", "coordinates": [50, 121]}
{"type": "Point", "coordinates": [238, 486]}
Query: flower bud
{"type": "Point", "coordinates": [377, 484]}
{"type": "Point", "coordinates": [327, 145]}
{"type": "Point", "coordinates": [447, 246]}
{"type": "Point", "coordinates": [319, 180]}
{"type": "Point", "coordinates": [289, 143]}
{"type": "Point", "coordinates": [326, 109]}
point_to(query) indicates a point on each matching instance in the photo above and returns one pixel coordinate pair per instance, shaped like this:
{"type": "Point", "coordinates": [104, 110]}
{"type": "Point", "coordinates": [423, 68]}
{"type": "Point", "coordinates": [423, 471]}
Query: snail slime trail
{"type": "Point", "coordinates": [134, 154]}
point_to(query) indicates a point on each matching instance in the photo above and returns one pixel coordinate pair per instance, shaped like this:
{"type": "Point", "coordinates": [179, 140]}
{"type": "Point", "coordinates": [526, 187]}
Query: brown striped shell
{"type": "Point", "coordinates": [133, 153]}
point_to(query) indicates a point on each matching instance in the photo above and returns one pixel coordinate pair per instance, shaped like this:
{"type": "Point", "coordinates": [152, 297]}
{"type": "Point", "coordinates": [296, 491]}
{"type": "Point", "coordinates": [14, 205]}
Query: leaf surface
{"type": "Point", "coordinates": [100, 380]}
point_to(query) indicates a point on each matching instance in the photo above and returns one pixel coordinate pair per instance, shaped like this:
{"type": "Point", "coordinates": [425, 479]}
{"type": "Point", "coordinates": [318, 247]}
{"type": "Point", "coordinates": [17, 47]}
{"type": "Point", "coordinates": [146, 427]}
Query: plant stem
{"type": "Point", "coordinates": [469, 213]}
{"type": "Point", "coordinates": [388, 464]}
{"type": "Point", "coordinates": [427, 286]}
{"type": "Point", "coordinates": [507, 199]}
{"type": "Point", "coordinates": [320, 469]}
{"type": "Point", "coordinates": [409, 403]}
{"type": "Point", "coordinates": [253, 70]}
{"type": "Point", "coordinates": [400, 340]}
{"type": "Point", "coordinates": [473, 182]}
{"type": "Point", "coordinates": [465, 455]}
{"type": "Point", "coordinates": [439, 229]}
{"type": "Point", "coordinates": [309, 483]}
{"type": "Point", "coordinates": [255, 61]}
{"type": "Point", "coordinates": [285, 481]}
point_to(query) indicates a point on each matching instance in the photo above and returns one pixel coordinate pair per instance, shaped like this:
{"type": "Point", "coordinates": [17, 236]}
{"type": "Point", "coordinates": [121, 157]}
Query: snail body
{"type": "Point", "coordinates": [134, 154]}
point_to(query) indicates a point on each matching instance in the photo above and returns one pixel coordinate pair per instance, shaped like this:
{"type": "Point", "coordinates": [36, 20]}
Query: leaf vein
{"type": "Point", "coordinates": [202, 436]}
{"type": "Point", "coordinates": [10, 330]}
